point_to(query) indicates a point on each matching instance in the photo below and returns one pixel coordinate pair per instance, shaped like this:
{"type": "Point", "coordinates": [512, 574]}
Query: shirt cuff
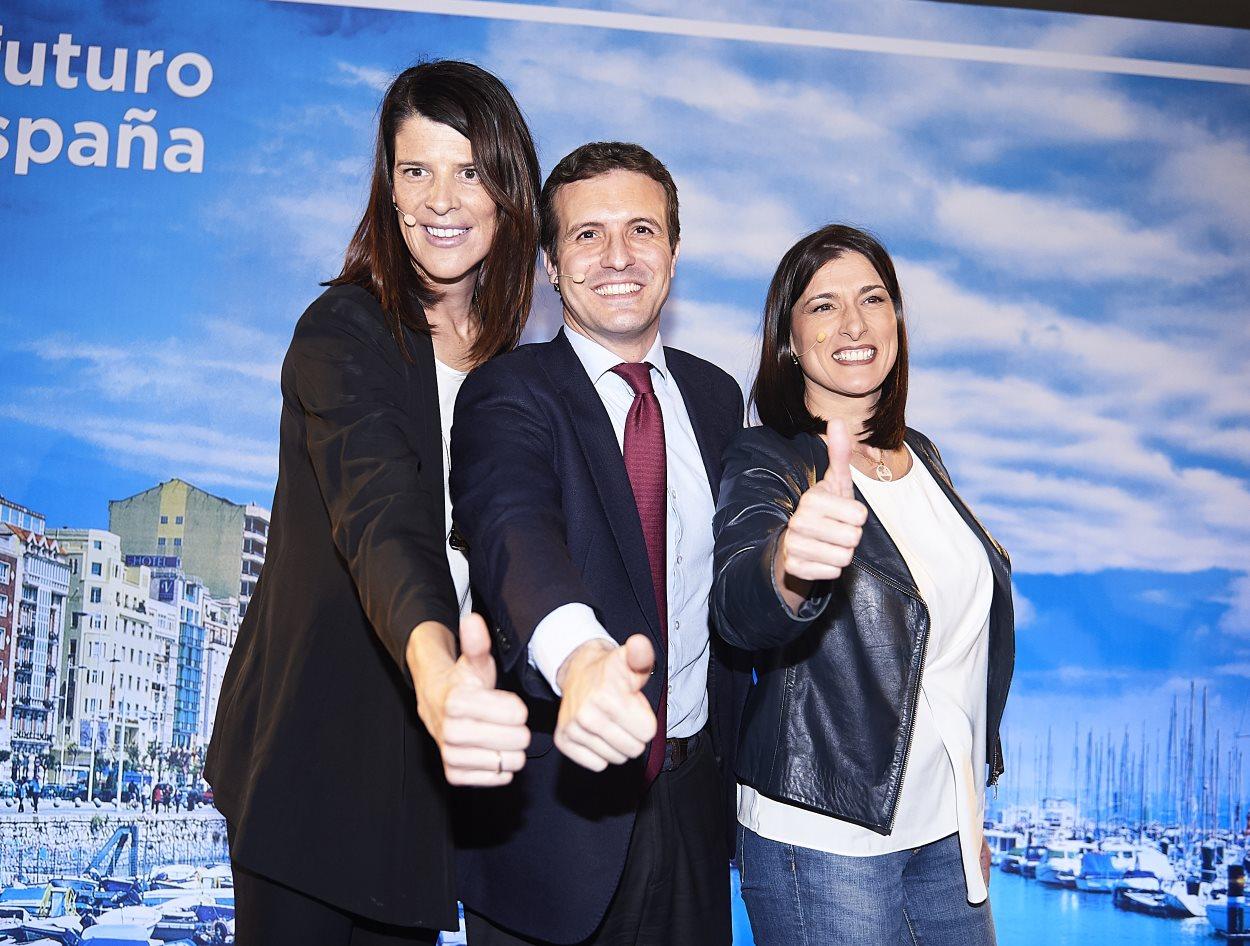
{"type": "Point", "coordinates": [559, 634]}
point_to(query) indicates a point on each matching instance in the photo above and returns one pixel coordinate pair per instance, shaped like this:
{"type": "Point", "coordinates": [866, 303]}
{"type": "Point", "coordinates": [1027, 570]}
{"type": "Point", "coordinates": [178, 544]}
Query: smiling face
{"type": "Point", "coordinates": [612, 235]}
{"type": "Point", "coordinates": [845, 332]}
{"type": "Point", "coordinates": [436, 182]}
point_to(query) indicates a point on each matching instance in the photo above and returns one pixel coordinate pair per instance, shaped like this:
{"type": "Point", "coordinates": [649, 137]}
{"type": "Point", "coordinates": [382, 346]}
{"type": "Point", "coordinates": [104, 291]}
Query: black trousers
{"type": "Point", "coordinates": [675, 885]}
{"type": "Point", "coordinates": [268, 913]}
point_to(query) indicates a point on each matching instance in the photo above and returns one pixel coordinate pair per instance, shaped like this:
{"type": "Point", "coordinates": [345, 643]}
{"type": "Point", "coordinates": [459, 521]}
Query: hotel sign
{"type": "Point", "coordinates": [154, 561]}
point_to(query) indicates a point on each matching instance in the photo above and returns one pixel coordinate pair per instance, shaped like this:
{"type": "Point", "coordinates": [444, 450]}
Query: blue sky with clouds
{"type": "Point", "coordinates": [1073, 249]}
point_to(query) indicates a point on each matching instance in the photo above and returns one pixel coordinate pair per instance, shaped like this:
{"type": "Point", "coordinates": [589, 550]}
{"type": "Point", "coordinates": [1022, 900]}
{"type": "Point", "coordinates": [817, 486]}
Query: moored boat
{"type": "Point", "coordinates": [1061, 864]}
{"type": "Point", "coordinates": [1098, 873]}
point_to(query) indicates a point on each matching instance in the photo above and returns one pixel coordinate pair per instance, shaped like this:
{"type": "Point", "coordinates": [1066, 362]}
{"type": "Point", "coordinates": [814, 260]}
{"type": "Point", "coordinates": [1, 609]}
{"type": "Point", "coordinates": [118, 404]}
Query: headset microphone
{"type": "Point", "coordinates": [409, 219]}
{"type": "Point", "coordinates": [577, 279]}
{"type": "Point", "coordinates": [820, 337]}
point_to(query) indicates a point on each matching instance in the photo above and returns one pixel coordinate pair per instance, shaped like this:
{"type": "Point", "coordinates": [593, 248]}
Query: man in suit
{"type": "Point", "coordinates": [584, 477]}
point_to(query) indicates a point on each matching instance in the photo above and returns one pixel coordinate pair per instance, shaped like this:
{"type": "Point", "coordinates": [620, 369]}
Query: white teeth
{"type": "Point", "coordinates": [446, 231]}
{"type": "Point", "coordinates": [618, 289]}
{"type": "Point", "coordinates": [855, 355]}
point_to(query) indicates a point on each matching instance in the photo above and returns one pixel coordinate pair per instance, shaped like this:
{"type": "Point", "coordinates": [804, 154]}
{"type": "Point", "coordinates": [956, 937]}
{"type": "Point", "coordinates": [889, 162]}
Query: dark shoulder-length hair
{"type": "Point", "coordinates": [779, 390]}
{"type": "Point", "coordinates": [480, 107]}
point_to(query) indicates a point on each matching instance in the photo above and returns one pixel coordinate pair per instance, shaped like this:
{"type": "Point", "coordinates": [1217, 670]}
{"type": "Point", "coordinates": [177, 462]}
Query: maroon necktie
{"type": "Point", "coordinates": [647, 466]}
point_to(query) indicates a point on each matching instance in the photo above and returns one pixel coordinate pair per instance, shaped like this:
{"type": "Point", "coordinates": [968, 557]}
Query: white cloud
{"type": "Point", "coordinates": [228, 371]}
{"type": "Point", "coordinates": [319, 223]}
{"type": "Point", "coordinates": [721, 334]}
{"type": "Point", "coordinates": [1067, 489]}
{"type": "Point", "coordinates": [734, 232]}
{"type": "Point", "coordinates": [1212, 174]}
{"type": "Point", "coordinates": [1025, 610]}
{"type": "Point", "coordinates": [373, 78]}
{"type": "Point", "coordinates": [203, 455]}
{"type": "Point", "coordinates": [1057, 238]}
{"type": "Point", "coordinates": [1177, 394]}
{"type": "Point", "coordinates": [204, 407]}
{"type": "Point", "coordinates": [601, 77]}
{"type": "Point", "coordinates": [1236, 620]}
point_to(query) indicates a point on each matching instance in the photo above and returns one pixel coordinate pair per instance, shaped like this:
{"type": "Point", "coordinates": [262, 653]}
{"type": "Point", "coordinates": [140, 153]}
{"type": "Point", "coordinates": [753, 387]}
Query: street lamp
{"type": "Point", "coordinates": [117, 753]}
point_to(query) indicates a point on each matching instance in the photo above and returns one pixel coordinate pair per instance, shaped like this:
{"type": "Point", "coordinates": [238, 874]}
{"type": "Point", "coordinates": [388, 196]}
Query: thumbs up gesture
{"type": "Point", "coordinates": [480, 731]}
{"type": "Point", "coordinates": [604, 718]}
{"type": "Point", "coordinates": [825, 529]}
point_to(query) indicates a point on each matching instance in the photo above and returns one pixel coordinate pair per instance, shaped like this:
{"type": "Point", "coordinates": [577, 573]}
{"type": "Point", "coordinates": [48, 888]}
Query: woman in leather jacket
{"type": "Point", "coordinates": [877, 614]}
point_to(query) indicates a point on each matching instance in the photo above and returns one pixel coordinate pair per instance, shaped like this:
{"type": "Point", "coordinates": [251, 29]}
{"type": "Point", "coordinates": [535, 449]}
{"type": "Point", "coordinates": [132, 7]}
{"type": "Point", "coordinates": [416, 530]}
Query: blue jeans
{"type": "Point", "coordinates": [796, 896]}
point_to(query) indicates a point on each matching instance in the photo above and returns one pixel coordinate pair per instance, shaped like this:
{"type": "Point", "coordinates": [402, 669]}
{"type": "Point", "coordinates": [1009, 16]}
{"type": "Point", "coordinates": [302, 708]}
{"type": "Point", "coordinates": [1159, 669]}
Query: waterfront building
{"type": "Point", "coordinates": [9, 551]}
{"type": "Point", "coordinates": [41, 586]}
{"type": "Point", "coordinates": [188, 595]}
{"type": "Point", "coordinates": [221, 542]}
{"type": "Point", "coordinates": [221, 627]}
{"type": "Point", "coordinates": [165, 631]}
{"type": "Point", "coordinates": [114, 659]}
{"type": "Point", "coordinates": [15, 514]}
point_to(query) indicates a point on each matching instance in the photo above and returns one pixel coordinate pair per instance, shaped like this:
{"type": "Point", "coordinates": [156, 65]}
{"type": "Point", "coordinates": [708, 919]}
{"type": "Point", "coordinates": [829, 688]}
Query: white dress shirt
{"type": "Point", "coordinates": [943, 789]}
{"type": "Point", "coordinates": [689, 526]}
{"type": "Point", "coordinates": [449, 382]}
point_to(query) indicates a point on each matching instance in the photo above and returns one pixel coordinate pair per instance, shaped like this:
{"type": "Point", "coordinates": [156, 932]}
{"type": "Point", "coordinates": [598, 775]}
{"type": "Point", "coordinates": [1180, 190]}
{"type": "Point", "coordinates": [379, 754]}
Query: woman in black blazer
{"type": "Point", "coordinates": [332, 777]}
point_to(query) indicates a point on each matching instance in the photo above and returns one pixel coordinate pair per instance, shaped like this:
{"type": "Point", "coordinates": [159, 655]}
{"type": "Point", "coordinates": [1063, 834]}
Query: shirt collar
{"type": "Point", "coordinates": [598, 361]}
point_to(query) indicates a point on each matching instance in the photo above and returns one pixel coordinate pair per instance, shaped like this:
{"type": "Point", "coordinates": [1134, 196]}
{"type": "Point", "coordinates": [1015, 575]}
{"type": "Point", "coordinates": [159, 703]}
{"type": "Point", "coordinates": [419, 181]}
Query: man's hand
{"type": "Point", "coordinates": [480, 731]}
{"type": "Point", "coordinates": [604, 718]}
{"type": "Point", "coordinates": [825, 529]}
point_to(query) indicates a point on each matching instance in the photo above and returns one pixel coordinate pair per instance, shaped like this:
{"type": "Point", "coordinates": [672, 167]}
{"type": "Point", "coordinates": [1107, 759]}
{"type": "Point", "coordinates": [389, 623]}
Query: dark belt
{"type": "Point", "coordinates": [678, 750]}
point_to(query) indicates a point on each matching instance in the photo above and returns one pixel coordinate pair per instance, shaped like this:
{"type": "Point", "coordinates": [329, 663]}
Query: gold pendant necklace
{"type": "Point", "coordinates": [879, 468]}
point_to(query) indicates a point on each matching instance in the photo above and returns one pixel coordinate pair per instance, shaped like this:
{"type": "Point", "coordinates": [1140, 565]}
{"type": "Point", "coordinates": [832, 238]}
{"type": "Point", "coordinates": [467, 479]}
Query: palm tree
{"type": "Point", "coordinates": [154, 758]}
{"type": "Point", "coordinates": [69, 745]}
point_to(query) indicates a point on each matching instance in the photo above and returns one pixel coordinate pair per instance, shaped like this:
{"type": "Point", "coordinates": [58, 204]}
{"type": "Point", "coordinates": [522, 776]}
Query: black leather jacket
{"type": "Point", "coordinates": [828, 723]}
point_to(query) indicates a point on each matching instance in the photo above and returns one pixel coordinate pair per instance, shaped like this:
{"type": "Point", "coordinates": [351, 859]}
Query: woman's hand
{"type": "Point", "coordinates": [986, 861]}
{"type": "Point", "coordinates": [480, 731]}
{"type": "Point", "coordinates": [825, 529]}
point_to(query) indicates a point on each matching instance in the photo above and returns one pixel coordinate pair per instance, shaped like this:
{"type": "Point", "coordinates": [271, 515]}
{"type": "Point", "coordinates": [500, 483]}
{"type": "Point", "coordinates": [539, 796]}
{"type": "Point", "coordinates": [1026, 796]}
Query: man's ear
{"type": "Point", "coordinates": [553, 274]}
{"type": "Point", "coordinates": [672, 270]}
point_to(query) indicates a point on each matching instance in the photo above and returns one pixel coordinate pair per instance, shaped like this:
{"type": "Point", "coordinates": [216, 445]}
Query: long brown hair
{"type": "Point", "coordinates": [779, 391]}
{"type": "Point", "coordinates": [480, 107]}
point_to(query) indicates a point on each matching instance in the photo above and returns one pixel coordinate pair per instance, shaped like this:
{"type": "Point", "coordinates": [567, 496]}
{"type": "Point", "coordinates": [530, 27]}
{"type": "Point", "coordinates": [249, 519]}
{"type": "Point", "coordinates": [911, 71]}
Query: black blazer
{"type": "Point", "coordinates": [542, 498]}
{"type": "Point", "coordinates": [327, 778]}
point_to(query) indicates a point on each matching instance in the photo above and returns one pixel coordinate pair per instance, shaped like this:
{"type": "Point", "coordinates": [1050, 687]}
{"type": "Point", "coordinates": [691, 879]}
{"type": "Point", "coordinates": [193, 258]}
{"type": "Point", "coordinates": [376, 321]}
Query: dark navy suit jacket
{"type": "Point", "coordinates": [544, 503]}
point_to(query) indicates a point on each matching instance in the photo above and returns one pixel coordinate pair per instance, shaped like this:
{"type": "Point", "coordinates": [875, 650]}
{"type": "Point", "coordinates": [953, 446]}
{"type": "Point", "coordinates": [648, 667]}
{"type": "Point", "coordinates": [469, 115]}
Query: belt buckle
{"type": "Point", "coordinates": [676, 751]}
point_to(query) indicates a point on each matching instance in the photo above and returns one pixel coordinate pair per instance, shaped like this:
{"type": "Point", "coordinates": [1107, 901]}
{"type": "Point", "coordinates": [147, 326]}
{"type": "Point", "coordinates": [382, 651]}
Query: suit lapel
{"type": "Point", "coordinates": [593, 429]}
{"type": "Point", "coordinates": [699, 410]}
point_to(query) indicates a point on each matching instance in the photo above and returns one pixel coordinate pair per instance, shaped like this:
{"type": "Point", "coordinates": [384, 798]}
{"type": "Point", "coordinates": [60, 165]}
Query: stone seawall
{"type": "Point", "coordinates": [63, 843]}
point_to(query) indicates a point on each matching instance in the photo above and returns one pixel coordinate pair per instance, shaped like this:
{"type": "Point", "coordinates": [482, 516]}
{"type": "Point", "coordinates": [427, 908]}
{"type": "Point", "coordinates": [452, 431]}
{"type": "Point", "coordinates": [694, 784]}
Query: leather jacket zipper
{"type": "Point", "coordinates": [997, 768]}
{"type": "Point", "coordinates": [915, 699]}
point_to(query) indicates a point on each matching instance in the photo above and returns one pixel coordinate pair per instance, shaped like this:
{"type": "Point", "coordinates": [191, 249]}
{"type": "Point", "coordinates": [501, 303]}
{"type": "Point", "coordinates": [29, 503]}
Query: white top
{"type": "Point", "coordinates": [689, 520]}
{"type": "Point", "coordinates": [449, 382]}
{"type": "Point", "coordinates": [943, 782]}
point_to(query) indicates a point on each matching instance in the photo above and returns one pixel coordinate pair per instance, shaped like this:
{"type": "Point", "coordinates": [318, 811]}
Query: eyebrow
{"type": "Point", "coordinates": [595, 223]}
{"type": "Point", "coordinates": [834, 295]}
{"type": "Point", "coordinates": [408, 162]}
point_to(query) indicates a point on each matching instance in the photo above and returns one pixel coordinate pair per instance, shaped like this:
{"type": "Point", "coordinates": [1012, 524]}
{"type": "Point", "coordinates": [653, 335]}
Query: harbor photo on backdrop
{"type": "Point", "coordinates": [1066, 198]}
